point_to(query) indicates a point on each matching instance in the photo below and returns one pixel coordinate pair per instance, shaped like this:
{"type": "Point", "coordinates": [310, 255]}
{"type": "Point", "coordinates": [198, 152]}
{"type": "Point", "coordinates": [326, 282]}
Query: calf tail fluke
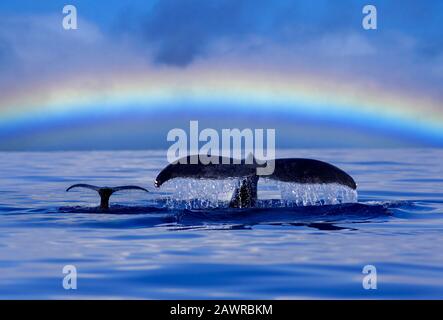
{"type": "Point", "coordinates": [105, 192]}
{"type": "Point", "coordinates": [83, 185]}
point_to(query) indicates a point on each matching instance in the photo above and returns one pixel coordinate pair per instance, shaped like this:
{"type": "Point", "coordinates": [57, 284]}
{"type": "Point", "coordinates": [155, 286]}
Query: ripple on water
{"type": "Point", "coordinates": [144, 248]}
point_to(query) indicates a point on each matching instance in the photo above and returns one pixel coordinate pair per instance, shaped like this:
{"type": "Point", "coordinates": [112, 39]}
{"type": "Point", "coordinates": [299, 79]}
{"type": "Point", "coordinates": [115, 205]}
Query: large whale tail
{"type": "Point", "coordinates": [298, 170]}
{"type": "Point", "coordinates": [105, 192]}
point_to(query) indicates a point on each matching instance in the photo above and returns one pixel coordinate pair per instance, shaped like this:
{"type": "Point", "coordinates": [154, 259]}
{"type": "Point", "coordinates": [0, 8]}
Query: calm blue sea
{"type": "Point", "coordinates": [158, 246]}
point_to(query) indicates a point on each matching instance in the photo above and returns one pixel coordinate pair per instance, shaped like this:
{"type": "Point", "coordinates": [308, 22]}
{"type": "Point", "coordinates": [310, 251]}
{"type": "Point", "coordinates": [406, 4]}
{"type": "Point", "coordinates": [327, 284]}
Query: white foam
{"type": "Point", "coordinates": [201, 194]}
{"type": "Point", "coordinates": [207, 194]}
{"type": "Point", "coordinates": [316, 194]}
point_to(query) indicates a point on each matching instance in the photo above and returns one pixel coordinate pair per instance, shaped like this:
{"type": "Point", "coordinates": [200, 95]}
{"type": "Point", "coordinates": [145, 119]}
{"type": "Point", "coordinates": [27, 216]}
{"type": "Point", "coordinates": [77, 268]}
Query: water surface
{"type": "Point", "coordinates": [145, 249]}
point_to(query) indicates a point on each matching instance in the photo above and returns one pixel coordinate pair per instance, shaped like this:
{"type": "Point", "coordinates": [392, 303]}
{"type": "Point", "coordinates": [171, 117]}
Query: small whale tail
{"type": "Point", "coordinates": [105, 192]}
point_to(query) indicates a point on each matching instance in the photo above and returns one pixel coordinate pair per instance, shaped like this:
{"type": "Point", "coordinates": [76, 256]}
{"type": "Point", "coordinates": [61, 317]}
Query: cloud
{"type": "Point", "coordinates": [36, 48]}
{"type": "Point", "coordinates": [183, 30]}
{"type": "Point", "coordinates": [324, 36]}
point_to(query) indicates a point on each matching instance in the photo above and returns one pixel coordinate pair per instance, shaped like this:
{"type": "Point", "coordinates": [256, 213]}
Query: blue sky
{"type": "Point", "coordinates": [321, 37]}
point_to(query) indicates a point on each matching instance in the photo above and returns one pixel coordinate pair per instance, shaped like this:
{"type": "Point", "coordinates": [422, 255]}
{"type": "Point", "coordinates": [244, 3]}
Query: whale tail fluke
{"type": "Point", "coordinates": [105, 192]}
{"type": "Point", "coordinates": [310, 171]}
{"type": "Point", "coordinates": [295, 170]}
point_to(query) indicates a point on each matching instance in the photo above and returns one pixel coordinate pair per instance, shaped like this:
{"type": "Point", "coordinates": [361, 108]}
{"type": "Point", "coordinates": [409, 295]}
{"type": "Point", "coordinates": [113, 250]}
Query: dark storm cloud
{"type": "Point", "coordinates": [181, 31]}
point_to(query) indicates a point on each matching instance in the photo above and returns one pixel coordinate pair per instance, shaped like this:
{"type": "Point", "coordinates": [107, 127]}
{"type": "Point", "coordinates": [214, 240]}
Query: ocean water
{"type": "Point", "coordinates": [168, 244]}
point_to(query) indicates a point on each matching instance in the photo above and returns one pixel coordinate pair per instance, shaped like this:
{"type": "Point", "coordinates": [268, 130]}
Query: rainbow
{"type": "Point", "coordinates": [204, 89]}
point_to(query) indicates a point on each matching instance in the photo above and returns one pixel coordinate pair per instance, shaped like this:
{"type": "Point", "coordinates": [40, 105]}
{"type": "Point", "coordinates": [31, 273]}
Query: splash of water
{"type": "Point", "coordinates": [297, 194]}
{"type": "Point", "coordinates": [211, 194]}
{"type": "Point", "coordinates": [200, 194]}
